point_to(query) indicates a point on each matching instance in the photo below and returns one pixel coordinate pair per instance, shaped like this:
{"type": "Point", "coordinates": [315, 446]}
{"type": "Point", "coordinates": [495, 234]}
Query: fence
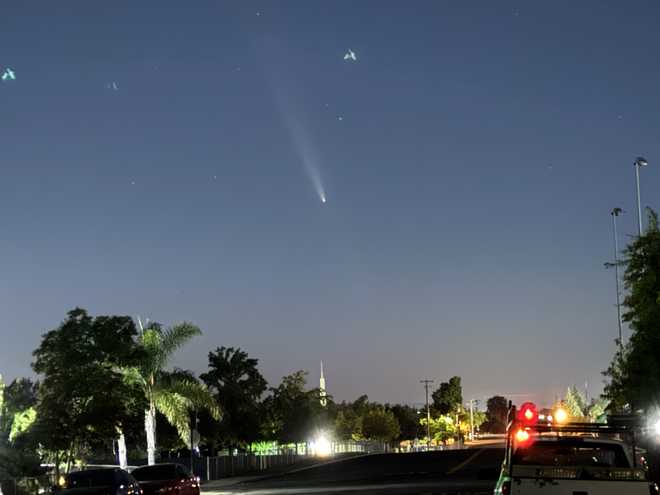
{"type": "Point", "coordinates": [222, 466]}
{"type": "Point", "coordinates": [213, 468]}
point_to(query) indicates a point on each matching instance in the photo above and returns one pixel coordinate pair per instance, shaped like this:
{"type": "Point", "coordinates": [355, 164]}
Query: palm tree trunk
{"type": "Point", "coordinates": [121, 448]}
{"type": "Point", "coordinates": [150, 429]}
{"type": "Point", "coordinates": [57, 468]}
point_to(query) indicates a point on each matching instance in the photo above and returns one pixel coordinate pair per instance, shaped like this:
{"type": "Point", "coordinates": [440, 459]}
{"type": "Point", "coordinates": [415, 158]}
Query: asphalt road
{"type": "Point", "coordinates": [453, 472]}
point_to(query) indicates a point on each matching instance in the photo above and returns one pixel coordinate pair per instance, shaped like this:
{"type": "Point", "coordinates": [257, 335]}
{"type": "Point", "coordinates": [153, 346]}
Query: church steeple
{"type": "Point", "coordinates": [322, 393]}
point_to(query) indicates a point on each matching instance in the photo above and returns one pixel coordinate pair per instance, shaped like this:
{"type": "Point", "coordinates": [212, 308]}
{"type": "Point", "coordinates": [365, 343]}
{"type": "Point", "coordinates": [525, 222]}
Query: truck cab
{"type": "Point", "coordinates": [546, 458]}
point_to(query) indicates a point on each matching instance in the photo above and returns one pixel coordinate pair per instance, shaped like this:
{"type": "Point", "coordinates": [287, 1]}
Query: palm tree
{"type": "Point", "coordinates": [173, 394]}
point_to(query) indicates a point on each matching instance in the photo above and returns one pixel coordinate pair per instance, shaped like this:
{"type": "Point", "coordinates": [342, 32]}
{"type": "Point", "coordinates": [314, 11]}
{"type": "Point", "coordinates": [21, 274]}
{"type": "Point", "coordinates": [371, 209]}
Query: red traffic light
{"type": "Point", "coordinates": [528, 413]}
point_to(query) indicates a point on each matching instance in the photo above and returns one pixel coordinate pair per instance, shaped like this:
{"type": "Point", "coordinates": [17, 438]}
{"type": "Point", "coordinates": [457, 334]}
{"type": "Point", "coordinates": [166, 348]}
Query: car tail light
{"type": "Point", "coordinates": [522, 436]}
{"type": "Point", "coordinates": [506, 488]}
{"type": "Point", "coordinates": [528, 414]}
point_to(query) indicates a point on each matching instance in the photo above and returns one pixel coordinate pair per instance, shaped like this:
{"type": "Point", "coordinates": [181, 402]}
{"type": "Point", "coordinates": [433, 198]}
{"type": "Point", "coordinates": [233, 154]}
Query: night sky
{"type": "Point", "coordinates": [167, 159]}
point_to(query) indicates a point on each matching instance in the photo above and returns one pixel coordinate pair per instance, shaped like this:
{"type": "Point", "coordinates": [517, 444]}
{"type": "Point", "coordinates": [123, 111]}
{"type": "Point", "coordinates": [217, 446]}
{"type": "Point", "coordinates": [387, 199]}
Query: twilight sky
{"type": "Point", "coordinates": [165, 158]}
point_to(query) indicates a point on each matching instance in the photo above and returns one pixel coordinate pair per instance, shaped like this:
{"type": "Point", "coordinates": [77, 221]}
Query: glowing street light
{"type": "Point", "coordinates": [321, 446]}
{"type": "Point", "coordinates": [560, 415]}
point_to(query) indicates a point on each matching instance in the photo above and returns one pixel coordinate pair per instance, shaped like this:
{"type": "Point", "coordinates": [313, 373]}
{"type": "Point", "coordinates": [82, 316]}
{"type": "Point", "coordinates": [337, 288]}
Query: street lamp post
{"type": "Point", "coordinates": [639, 162]}
{"type": "Point", "coordinates": [615, 213]}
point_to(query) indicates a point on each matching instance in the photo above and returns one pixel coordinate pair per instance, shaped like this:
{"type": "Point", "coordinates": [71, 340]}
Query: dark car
{"type": "Point", "coordinates": [106, 481]}
{"type": "Point", "coordinates": [170, 479]}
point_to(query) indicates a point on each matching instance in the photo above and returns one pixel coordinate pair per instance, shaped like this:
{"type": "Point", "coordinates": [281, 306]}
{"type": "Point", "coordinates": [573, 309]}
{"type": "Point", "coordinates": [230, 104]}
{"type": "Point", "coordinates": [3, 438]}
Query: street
{"type": "Point", "coordinates": [470, 471]}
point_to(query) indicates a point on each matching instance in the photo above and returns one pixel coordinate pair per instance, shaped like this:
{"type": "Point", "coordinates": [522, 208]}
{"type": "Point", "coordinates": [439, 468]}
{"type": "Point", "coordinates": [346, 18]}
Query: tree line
{"type": "Point", "coordinates": [106, 388]}
{"type": "Point", "coordinates": [633, 377]}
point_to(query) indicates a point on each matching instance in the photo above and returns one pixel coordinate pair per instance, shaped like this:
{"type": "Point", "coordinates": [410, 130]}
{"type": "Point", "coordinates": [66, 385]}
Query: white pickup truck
{"type": "Point", "coordinates": [570, 459]}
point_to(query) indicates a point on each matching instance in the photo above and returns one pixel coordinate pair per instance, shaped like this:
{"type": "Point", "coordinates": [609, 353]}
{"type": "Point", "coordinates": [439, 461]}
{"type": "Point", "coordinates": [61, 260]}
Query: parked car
{"type": "Point", "coordinates": [166, 479]}
{"type": "Point", "coordinates": [100, 481]}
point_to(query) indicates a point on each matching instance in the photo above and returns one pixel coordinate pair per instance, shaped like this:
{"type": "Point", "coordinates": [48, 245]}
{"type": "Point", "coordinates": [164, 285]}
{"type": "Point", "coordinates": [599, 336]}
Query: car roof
{"type": "Point", "coordinates": [605, 441]}
{"type": "Point", "coordinates": [161, 464]}
{"type": "Point", "coordinates": [97, 470]}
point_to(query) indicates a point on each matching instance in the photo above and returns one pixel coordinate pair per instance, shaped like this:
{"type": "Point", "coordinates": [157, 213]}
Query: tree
{"type": "Point", "coordinates": [295, 414]}
{"type": "Point", "coordinates": [442, 428]}
{"type": "Point", "coordinates": [408, 420]}
{"type": "Point", "coordinates": [634, 375]}
{"type": "Point", "coordinates": [381, 425]}
{"type": "Point", "coordinates": [497, 409]}
{"type": "Point", "coordinates": [238, 386]}
{"type": "Point", "coordinates": [18, 451]}
{"type": "Point", "coordinates": [448, 398]}
{"type": "Point", "coordinates": [174, 394]}
{"type": "Point", "coordinates": [17, 398]}
{"type": "Point", "coordinates": [82, 397]}
{"type": "Point", "coordinates": [348, 425]}
{"type": "Point", "coordinates": [597, 411]}
{"type": "Point", "coordinates": [575, 404]}
{"type": "Point", "coordinates": [348, 420]}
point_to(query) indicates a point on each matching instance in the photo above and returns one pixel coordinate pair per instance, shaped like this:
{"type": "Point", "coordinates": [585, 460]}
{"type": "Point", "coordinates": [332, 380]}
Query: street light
{"type": "Point", "coordinates": [615, 213]}
{"type": "Point", "coordinates": [639, 162]}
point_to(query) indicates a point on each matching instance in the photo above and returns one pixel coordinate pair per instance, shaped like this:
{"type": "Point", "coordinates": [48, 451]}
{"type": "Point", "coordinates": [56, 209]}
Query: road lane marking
{"type": "Point", "coordinates": [465, 462]}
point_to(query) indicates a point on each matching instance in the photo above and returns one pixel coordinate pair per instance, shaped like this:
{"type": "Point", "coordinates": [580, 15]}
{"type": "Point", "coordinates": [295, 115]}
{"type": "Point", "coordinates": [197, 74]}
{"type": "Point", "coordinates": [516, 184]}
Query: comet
{"type": "Point", "coordinates": [303, 143]}
{"type": "Point", "coordinates": [287, 98]}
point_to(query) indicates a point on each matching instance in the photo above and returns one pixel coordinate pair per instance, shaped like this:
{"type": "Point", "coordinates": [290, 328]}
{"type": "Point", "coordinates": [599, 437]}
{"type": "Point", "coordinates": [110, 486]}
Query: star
{"type": "Point", "coordinates": [340, 118]}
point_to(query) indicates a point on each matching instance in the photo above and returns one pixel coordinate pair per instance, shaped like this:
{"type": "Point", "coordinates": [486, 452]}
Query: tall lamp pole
{"type": "Point", "coordinates": [615, 213]}
{"type": "Point", "coordinates": [428, 413]}
{"type": "Point", "coordinates": [639, 163]}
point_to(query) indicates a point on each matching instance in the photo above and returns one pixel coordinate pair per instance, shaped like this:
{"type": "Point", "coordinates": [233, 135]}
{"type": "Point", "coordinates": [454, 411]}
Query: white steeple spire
{"type": "Point", "coordinates": [322, 392]}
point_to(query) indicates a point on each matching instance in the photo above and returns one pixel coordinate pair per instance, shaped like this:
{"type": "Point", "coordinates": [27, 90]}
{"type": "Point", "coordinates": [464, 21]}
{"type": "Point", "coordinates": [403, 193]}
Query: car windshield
{"type": "Point", "coordinates": [156, 473]}
{"type": "Point", "coordinates": [572, 454]}
{"type": "Point", "coordinates": [98, 477]}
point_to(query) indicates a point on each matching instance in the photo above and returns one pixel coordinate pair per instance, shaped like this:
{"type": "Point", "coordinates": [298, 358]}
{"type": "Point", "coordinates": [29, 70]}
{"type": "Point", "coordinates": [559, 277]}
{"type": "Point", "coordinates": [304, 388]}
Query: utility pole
{"type": "Point", "coordinates": [193, 430]}
{"type": "Point", "coordinates": [428, 413]}
{"type": "Point", "coordinates": [472, 420]}
{"type": "Point", "coordinates": [615, 213]}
